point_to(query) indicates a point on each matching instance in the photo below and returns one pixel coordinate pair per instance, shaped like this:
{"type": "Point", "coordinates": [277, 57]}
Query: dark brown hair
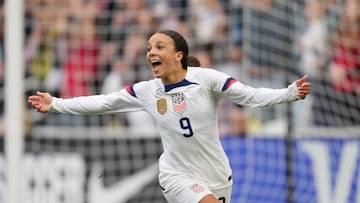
{"type": "Point", "coordinates": [193, 61]}
{"type": "Point", "coordinates": [180, 45]}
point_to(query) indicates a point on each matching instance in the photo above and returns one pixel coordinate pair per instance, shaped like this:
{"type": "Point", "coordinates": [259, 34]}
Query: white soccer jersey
{"type": "Point", "coordinates": [186, 114]}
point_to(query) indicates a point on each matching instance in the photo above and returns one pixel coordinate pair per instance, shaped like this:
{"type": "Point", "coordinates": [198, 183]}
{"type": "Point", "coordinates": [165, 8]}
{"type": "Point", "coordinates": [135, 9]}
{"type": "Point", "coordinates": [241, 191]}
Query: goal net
{"type": "Point", "coordinates": [301, 152]}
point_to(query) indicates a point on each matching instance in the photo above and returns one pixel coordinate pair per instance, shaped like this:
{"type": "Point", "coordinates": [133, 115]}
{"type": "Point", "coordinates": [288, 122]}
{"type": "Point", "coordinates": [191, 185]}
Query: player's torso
{"type": "Point", "coordinates": [187, 118]}
{"type": "Point", "coordinates": [184, 111]}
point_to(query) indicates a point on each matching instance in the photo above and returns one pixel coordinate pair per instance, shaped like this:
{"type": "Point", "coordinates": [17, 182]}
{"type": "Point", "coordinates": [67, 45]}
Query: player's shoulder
{"type": "Point", "coordinates": [201, 70]}
{"type": "Point", "coordinates": [206, 74]}
{"type": "Point", "coordinates": [146, 86]}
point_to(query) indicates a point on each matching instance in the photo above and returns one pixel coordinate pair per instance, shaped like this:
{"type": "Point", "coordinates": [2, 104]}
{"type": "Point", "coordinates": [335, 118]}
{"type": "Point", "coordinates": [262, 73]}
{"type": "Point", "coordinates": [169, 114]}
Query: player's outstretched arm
{"type": "Point", "coordinates": [41, 101]}
{"type": "Point", "coordinates": [303, 87]}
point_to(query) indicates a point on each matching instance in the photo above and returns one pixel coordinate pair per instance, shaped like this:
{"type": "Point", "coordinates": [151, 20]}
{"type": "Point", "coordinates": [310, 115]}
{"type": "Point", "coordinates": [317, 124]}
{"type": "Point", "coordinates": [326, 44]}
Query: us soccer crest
{"type": "Point", "coordinates": [197, 188]}
{"type": "Point", "coordinates": [161, 106]}
{"type": "Point", "coordinates": [179, 103]}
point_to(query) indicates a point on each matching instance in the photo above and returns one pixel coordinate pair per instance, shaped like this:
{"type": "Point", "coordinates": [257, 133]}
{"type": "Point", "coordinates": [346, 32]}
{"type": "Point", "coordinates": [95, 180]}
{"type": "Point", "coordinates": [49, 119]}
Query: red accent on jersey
{"type": "Point", "coordinates": [130, 90]}
{"type": "Point", "coordinates": [228, 83]}
{"type": "Point", "coordinates": [231, 83]}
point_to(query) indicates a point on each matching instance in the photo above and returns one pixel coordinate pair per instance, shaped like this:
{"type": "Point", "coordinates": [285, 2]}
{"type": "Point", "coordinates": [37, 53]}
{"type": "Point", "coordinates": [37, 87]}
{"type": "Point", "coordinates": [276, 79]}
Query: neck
{"type": "Point", "coordinates": [174, 78]}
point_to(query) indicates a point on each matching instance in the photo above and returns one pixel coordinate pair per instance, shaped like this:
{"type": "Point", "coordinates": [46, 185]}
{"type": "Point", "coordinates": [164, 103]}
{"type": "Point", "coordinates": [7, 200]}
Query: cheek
{"type": "Point", "coordinates": [168, 59]}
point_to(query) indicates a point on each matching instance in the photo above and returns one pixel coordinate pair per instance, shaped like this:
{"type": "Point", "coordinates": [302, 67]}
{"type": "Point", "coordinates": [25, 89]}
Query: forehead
{"type": "Point", "coordinates": [160, 37]}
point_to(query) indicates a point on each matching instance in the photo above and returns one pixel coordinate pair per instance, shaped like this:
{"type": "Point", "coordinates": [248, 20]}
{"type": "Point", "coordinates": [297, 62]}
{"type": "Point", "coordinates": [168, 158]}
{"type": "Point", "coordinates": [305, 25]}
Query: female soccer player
{"type": "Point", "coordinates": [183, 100]}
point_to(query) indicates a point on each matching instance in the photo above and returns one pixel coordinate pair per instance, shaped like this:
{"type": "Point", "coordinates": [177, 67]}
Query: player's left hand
{"type": "Point", "coordinates": [303, 87]}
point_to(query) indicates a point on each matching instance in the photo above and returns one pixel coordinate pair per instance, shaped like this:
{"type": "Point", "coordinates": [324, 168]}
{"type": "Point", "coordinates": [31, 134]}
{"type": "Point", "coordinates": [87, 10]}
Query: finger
{"type": "Point", "coordinates": [33, 98]}
{"type": "Point", "coordinates": [31, 103]}
{"type": "Point", "coordinates": [304, 89]}
{"type": "Point", "coordinates": [40, 94]}
{"type": "Point", "coordinates": [35, 106]}
{"type": "Point", "coordinates": [42, 109]}
{"type": "Point", "coordinates": [302, 80]}
{"type": "Point", "coordinates": [301, 96]}
{"type": "Point", "coordinates": [306, 84]}
{"type": "Point", "coordinates": [306, 92]}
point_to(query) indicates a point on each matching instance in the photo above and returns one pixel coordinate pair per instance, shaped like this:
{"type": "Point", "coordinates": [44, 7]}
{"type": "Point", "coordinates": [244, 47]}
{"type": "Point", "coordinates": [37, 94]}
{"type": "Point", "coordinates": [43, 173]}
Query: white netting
{"type": "Point", "coordinates": [90, 47]}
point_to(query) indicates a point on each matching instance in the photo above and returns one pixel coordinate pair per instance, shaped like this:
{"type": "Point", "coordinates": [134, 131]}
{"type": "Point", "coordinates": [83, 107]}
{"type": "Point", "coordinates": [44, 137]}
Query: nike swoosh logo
{"type": "Point", "coordinates": [123, 190]}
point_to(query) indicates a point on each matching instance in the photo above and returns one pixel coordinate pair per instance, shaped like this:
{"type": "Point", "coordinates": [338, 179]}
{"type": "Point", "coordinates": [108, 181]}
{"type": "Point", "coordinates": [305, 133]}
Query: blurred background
{"type": "Point", "coordinates": [305, 151]}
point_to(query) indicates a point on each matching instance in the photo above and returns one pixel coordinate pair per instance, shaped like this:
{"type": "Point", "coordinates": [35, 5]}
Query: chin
{"type": "Point", "coordinates": [156, 75]}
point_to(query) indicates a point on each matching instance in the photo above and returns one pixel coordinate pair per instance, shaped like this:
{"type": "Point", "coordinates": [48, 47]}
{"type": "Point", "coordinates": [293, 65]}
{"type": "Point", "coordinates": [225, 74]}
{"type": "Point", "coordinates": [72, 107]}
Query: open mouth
{"type": "Point", "coordinates": [155, 65]}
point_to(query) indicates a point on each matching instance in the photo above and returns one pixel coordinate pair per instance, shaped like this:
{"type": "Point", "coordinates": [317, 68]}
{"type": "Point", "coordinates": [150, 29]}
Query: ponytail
{"type": "Point", "coordinates": [192, 61]}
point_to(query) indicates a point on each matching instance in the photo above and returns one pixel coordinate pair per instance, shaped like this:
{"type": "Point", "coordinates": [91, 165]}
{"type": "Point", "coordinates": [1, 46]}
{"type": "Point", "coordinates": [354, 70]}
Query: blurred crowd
{"type": "Point", "coordinates": [85, 47]}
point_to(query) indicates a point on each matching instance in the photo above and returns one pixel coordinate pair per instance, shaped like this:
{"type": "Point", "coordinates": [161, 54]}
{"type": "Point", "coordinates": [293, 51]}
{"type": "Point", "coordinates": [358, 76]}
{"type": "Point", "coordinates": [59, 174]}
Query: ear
{"type": "Point", "coordinates": [179, 55]}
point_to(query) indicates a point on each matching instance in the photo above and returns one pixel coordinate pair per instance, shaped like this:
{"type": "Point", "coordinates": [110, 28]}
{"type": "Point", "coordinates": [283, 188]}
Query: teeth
{"type": "Point", "coordinates": [155, 62]}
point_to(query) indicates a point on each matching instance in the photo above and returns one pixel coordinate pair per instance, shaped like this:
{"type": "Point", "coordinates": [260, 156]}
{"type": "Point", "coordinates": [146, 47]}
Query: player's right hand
{"type": "Point", "coordinates": [41, 101]}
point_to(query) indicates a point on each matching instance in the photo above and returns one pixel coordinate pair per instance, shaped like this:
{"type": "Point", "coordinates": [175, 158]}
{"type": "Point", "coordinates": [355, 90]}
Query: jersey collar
{"type": "Point", "coordinates": [182, 83]}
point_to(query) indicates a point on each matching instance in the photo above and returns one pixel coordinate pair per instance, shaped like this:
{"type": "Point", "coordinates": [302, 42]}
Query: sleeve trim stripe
{"type": "Point", "coordinates": [228, 83]}
{"type": "Point", "coordinates": [130, 90]}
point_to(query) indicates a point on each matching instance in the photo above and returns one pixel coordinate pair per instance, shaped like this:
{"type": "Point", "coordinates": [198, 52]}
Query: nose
{"type": "Point", "coordinates": [150, 51]}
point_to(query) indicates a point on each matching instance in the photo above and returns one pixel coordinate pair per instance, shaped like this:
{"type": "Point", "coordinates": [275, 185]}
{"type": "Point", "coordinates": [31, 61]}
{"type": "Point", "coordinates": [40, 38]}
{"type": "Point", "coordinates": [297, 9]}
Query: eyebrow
{"type": "Point", "coordinates": [157, 42]}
